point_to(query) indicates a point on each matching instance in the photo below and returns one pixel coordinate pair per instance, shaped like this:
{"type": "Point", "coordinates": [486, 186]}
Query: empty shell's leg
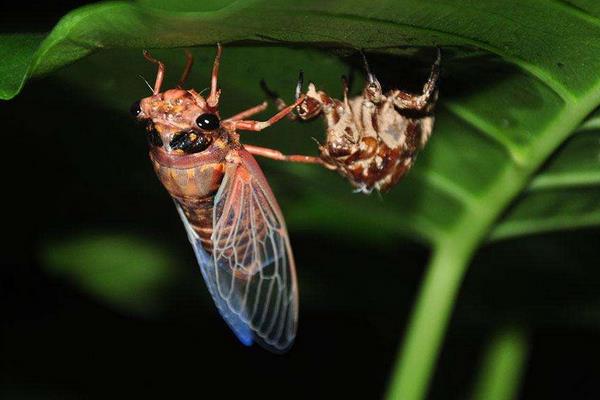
{"type": "Point", "coordinates": [278, 101]}
{"type": "Point", "coordinates": [213, 97]}
{"type": "Point", "coordinates": [277, 155]}
{"type": "Point", "coordinates": [249, 112]}
{"type": "Point", "coordinates": [249, 125]}
{"type": "Point", "coordinates": [160, 75]}
{"type": "Point", "coordinates": [410, 101]}
{"type": "Point", "coordinates": [189, 61]}
{"type": "Point", "coordinates": [307, 109]}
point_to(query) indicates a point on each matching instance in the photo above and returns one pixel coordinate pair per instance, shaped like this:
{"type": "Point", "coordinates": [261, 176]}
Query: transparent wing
{"type": "Point", "coordinates": [254, 265]}
{"type": "Point", "coordinates": [250, 274]}
{"type": "Point", "coordinates": [207, 266]}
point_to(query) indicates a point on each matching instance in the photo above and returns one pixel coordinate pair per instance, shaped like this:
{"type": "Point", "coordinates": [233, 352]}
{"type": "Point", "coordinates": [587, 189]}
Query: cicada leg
{"type": "Point", "coordinates": [189, 61]}
{"type": "Point", "coordinates": [279, 156]}
{"type": "Point", "coordinates": [215, 92]}
{"type": "Point", "coordinates": [424, 101]}
{"type": "Point", "coordinates": [278, 101]}
{"type": "Point", "coordinates": [250, 125]}
{"type": "Point", "coordinates": [249, 112]}
{"type": "Point", "coordinates": [160, 75]}
{"type": "Point", "coordinates": [311, 107]}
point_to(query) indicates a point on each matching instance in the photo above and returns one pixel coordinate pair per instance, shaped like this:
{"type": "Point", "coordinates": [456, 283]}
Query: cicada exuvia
{"type": "Point", "coordinates": [232, 219]}
{"type": "Point", "coordinates": [371, 139]}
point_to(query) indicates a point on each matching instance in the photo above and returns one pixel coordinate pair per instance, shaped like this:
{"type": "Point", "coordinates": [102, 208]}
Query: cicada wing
{"type": "Point", "coordinates": [207, 266]}
{"type": "Point", "coordinates": [254, 265]}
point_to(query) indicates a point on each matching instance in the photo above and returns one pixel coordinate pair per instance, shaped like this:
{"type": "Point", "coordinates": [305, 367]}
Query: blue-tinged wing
{"type": "Point", "coordinates": [255, 272]}
{"type": "Point", "coordinates": [207, 266]}
{"type": "Point", "coordinates": [250, 273]}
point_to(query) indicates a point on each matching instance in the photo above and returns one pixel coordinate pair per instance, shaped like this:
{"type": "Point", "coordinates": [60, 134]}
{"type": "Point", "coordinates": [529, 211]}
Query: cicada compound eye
{"type": "Point", "coordinates": [208, 122]}
{"type": "Point", "coordinates": [136, 108]}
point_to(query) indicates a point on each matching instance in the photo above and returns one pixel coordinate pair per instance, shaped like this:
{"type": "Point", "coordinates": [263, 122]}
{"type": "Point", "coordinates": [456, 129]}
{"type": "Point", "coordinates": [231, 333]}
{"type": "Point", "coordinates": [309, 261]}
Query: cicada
{"type": "Point", "coordinates": [229, 212]}
{"type": "Point", "coordinates": [371, 139]}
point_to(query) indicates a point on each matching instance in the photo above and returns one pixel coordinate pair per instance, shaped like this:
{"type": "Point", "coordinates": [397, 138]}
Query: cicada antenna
{"type": "Point", "coordinates": [147, 84]}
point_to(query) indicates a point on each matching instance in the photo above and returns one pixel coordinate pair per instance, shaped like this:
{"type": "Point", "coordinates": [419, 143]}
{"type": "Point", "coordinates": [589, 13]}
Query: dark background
{"type": "Point", "coordinates": [65, 174]}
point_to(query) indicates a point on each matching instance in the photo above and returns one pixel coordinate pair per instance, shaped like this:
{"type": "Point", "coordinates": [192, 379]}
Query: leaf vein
{"type": "Point", "coordinates": [489, 130]}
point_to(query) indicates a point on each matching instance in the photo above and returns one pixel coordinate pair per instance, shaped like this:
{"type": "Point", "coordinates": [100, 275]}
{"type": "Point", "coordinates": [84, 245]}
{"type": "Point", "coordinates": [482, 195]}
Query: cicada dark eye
{"type": "Point", "coordinates": [208, 122]}
{"type": "Point", "coordinates": [135, 109]}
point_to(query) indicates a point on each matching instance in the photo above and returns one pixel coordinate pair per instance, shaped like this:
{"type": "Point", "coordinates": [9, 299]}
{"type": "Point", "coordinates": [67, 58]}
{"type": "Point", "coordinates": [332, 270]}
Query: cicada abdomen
{"type": "Point", "coordinates": [230, 214]}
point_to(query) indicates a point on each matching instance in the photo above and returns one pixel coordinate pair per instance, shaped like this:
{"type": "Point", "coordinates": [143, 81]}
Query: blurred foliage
{"type": "Point", "coordinates": [502, 367]}
{"type": "Point", "coordinates": [518, 78]}
{"type": "Point", "coordinates": [128, 272]}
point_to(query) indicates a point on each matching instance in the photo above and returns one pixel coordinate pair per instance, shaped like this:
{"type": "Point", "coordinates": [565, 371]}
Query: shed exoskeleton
{"type": "Point", "coordinates": [371, 139]}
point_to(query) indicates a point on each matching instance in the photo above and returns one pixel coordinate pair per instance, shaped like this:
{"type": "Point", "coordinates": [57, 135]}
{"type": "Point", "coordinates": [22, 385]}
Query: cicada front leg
{"type": "Point", "coordinates": [249, 112]}
{"type": "Point", "coordinates": [424, 101]}
{"type": "Point", "coordinates": [312, 105]}
{"type": "Point", "coordinates": [238, 122]}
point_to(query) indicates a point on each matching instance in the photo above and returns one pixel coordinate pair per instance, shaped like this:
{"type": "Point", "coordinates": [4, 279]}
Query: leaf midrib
{"type": "Point", "coordinates": [515, 177]}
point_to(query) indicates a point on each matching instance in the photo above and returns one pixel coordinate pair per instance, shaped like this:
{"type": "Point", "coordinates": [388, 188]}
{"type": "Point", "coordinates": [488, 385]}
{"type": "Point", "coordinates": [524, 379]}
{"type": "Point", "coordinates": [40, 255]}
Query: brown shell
{"type": "Point", "coordinates": [373, 139]}
{"type": "Point", "coordinates": [373, 147]}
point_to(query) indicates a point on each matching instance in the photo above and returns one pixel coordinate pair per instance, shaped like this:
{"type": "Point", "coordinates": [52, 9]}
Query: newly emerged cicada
{"type": "Point", "coordinates": [232, 219]}
{"type": "Point", "coordinates": [371, 139]}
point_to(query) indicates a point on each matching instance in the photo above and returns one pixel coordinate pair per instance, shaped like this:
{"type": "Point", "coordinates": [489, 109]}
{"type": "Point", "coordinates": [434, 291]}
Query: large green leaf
{"type": "Point", "coordinates": [519, 77]}
{"type": "Point", "coordinates": [565, 194]}
{"type": "Point", "coordinates": [122, 270]}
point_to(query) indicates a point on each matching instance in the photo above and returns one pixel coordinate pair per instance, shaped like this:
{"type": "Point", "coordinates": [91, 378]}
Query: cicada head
{"type": "Point", "coordinates": [178, 120]}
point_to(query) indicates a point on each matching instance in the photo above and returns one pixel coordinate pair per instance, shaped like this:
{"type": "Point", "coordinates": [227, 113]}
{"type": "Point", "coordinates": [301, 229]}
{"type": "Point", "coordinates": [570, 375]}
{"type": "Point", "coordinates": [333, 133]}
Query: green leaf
{"type": "Point", "coordinates": [565, 194]}
{"type": "Point", "coordinates": [17, 52]}
{"type": "Point", "coordinates": [519, 77]}
{"type": "Point", "coordinates": [126, 271]}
